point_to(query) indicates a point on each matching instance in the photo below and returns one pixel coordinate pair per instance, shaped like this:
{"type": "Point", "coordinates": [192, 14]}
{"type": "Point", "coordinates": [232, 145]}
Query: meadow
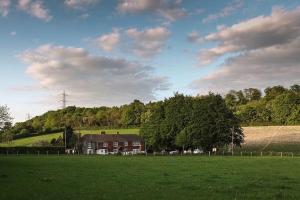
{"type": "Point", "coordinates": [31, 141]}
{"type": "Point", "coordinates": [160, 177]}
{"type": "Point", "coordinates": [257, 139]}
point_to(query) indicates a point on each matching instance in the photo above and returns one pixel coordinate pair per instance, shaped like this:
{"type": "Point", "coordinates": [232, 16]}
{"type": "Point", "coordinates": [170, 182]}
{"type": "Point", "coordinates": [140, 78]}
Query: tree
{"type": "Point", "coordinates": [252, 94]}
{"type": "Point", "coordinates": [285, 108]}
{"type": "Point", "coordinates": [132, 113]}
{"type": "Point", "coordinates": [273, 92]}
{"type": "Point", "coordinates": [201, 122]}
{"type": "Point", "coordinates": [231, 99]}
{"type": "Point", "coordinates": [70, 139]}
{"type": "Point", "coordinates": [5, 118]}
{"type": "Point", "coordinates": [212, 124]}
{"type": "Point", "coordinates": [295, 88]}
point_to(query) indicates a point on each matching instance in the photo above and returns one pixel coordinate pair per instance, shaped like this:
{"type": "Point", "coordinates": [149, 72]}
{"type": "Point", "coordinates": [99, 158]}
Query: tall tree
{"type": "Point", "coordinates": [5, 117]}
{"type": "Point", "coordinates": [273, 92]}
{"type": "Point", "coordinates": [252, 94]}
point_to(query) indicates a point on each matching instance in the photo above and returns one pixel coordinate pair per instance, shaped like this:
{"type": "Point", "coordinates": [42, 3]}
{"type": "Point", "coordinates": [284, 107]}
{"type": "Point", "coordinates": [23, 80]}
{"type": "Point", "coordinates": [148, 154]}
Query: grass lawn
{"type": "Point", "coordinates": [93, 177]}
{"type": "Point", "coordinates": [30, 141]}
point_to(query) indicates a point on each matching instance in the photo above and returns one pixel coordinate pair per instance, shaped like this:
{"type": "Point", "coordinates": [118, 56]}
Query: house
{"type": "Point", "coordinates": [104, 144]}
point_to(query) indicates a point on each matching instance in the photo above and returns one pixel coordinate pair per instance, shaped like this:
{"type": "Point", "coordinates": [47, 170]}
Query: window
{"type": "Point", "coordinates": [105, 144]}
{"type": "Point", "coordinates": [115, 144]}
{"type": "Point", "coordinates": [126, 144]}
{"type": "Point", "coordinates": [136, 143]}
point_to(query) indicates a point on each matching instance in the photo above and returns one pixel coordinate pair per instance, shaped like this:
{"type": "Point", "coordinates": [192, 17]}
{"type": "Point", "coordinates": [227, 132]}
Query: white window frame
{"type": "Point", "coordinates": [126, 144]}
{"type": "Point", "coordinates": [116, 144]}
{"type": "Point", "coordinates": [105, 144]}
{"type": "Point", "coordinates": [136, 143]}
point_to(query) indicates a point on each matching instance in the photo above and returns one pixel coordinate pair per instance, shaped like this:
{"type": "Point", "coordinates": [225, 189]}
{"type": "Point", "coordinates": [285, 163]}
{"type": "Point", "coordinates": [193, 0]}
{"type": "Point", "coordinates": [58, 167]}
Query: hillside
{"type": "Point", "coordinates": [260, 138]}
{"type": "Point", "coordinates": [31, 141]}
{"type": "Point", "coordinates": [272, 138]}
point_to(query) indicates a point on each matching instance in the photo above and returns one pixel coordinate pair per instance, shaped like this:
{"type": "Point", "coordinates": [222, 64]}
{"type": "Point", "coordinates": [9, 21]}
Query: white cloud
{"type": "Point", "coordinates": [266, 53]}
{"type": "Point", "coordinates": [194, 37]}
{"type": "Point", "coordinates": [80, 4]}
{"type": "Point", "coordinates": [149, 42]}
{"type": "Point", "coordinates": [257, 68]}
{"type": "Point", "coordinates": [13, 33]}
{"type": "Point", "coordinates": [91, 80]}
{"type": "Point", "coordinates": [4, 7]}
{"type": "Point", "coordinates": [169, 9]}
{"type": "Point", "coordinates": [263, 31]}
{"type": "Point", "coordinates": [84, 16]}
{"type": "Point", "coordinates": [226, 11]}
{"type": "Point", "coordinates": [108, 42]}
{"type": "Point", "coordinates": [35, 9]}
{"type": "Point", "coordinates": [145, 43]}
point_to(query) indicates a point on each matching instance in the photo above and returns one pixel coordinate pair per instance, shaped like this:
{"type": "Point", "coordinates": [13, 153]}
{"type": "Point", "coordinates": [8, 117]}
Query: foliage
{"type": "Point", "coordinates": [279, 106]}
{"type": "Point", "coordinates": [191, 122]}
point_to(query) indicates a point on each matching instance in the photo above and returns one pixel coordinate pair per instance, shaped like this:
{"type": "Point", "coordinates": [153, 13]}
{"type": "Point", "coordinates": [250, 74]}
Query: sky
{"type": "Point", "coordinates": [110, 52]}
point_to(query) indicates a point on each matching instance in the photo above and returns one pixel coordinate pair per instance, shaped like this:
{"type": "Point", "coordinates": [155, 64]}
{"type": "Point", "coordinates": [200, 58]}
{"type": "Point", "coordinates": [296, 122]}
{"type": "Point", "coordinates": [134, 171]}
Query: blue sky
{"type": "Point", "coordinates": [105, 52]}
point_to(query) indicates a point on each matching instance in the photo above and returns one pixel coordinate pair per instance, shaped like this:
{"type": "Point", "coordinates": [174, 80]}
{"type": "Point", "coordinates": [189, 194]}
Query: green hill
{"type": "Point", "coordinates": [259, 138]}
{"type": "Point", "coordinates": [31, 141]}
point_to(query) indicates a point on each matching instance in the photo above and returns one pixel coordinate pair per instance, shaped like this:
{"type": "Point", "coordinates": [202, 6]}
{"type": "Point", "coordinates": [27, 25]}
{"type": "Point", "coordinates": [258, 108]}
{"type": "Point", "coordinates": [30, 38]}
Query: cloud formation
{"type": "Point", "coordinates": [226, 11]}
{"type": "Point", "coordinates": [4, 7]}
{"type": "Point", "coordinates": [80, 4]}
{"type": "Point", "coordinates": [142, 43]}
{"type": "Point", "coordinates": [266, 53]}
{"type": "Point", "coordinates": [279, 28]}
{"type": "Point", "coordinates": [170, 10]}
{"type": "Point", "coordinates": [148, 42]}
{"type": "Point", "coordinates": [108, 42]}
{"type": "Point", "coordinates": [194, 37]}
{"type": "Point", "coordinates": [91, 80]}
{"type": "Point", "coordinates": [35, 9]}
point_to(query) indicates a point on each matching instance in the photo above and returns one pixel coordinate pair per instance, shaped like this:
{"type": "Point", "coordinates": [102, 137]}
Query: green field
{"type": "Point", "coordinates": [191, 177]}
{"type": "Point", "coordinates": [257, 139]}
{"type": "Point", "coordinates": [31, 141]}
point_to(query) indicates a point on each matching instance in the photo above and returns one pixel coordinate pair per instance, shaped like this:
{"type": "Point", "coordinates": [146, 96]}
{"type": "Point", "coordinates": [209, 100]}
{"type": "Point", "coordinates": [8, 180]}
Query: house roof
{"type": "Point", "coordinates": [111, 137]}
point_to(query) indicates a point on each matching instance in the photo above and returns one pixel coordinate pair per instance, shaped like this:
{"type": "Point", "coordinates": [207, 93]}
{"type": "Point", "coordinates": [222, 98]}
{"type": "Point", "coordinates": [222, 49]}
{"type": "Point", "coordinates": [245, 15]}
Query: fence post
{"type": "Point", "coordinates": [209, 153]}
{"type": "Point", "coordinates": [47, 153]}
{"type": "Point", "coordinates": [251, 153]}
{"type": "Point", "coordinates": [241, 153]}
{"type": "Point", "coordinates": [38, 153]}
{"type": "Point", "coordinates": [261, 153]}
{"type": "Point", "coordinates": [58, 152]}
{"type": "Point", "coordinates": [17, 153]}
{"type": "Point", "coordinates": [223, 153]}
{"type": "Point", "coordinates": [6, 152]}
{"type": "Point", "coordinates": [280, 154]}
{"type": "Point", "coordinates": [292, 155]}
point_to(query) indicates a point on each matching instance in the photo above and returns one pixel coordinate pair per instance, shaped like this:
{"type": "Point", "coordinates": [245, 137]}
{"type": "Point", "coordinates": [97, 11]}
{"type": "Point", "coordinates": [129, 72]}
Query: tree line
{"type": "Point", "coordinates": [277, 105]}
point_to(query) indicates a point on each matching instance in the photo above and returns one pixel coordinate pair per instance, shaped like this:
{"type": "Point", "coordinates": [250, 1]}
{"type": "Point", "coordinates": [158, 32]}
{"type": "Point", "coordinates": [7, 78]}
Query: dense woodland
{"type": "Point", "coordinates": [274, 106]}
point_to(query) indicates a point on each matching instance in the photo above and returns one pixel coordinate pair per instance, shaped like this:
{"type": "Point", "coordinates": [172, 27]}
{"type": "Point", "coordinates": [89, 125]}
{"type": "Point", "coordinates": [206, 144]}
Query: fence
{"type": "Point", "coordinates": [61, 151]}
{"type": "Point", "coordinates": [31, 150]}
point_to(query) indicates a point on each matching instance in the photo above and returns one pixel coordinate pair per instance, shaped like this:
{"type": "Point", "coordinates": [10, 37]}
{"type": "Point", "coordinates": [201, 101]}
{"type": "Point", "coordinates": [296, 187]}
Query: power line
{"type": "Point", "coordinates": [64, 99]}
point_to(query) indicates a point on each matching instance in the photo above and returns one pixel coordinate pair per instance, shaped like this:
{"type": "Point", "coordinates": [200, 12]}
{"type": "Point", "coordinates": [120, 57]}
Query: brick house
{"type": "Point", "coordinates": [104, 144]}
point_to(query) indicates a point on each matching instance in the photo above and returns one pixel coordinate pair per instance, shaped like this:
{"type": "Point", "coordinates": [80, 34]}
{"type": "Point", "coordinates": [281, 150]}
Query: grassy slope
{"type": "Point", "coordinates": [272, 138]}
{"type": "Point", "coordinates": [32, 140]}
{"type": "Point", "coordinates": [264, 138]}
{"type": "Point", "coordinates": [91, 177]}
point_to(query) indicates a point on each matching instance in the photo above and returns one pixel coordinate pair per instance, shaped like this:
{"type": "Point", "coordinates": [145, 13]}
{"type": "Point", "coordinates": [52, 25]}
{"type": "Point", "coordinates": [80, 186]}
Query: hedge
{"type": "Point", "coordinates": [32, 150]}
